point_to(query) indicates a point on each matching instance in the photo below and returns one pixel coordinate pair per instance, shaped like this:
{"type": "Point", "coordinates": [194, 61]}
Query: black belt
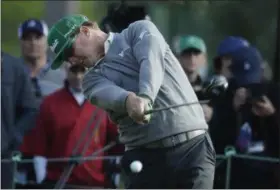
{"type": "Point", "coordinates": [175, 140]}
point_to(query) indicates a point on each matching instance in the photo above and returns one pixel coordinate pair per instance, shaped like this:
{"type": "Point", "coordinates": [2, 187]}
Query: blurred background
{"type": "Point", "coordinates": [257, 21]}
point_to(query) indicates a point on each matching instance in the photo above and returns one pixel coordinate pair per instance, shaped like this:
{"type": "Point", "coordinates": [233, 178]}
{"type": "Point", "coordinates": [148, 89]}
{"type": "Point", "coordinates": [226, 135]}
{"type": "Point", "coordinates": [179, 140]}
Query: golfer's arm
{"type": "Point", "coordinates": [104, 93]}
{"type": "Point", "coordinates": [149, 48]}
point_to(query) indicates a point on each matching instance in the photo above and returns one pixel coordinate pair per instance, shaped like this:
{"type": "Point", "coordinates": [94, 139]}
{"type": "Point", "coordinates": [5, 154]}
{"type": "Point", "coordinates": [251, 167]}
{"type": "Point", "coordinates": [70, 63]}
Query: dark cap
{"type": "Point", "coordinates": [246, 66]}
{"type": "Point", "coordinates": [231, 44]}
{"type": "Point", "coordinates": [33, 25]}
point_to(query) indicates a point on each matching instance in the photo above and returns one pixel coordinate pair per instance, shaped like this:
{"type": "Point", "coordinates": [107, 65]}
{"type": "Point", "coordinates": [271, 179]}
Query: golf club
{"type": "Point", "coordinates": [72, 164]}
{"type": "Point", "coordinates": [216, 87]}
{"type": "Point", "coordinates": [176, 106]}
{"type": "Point", "coordinates": [67, 172]}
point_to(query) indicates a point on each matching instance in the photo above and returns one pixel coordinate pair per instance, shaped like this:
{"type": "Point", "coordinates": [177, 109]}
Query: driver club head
{"type": "Point", "coordinates": [217, 86]}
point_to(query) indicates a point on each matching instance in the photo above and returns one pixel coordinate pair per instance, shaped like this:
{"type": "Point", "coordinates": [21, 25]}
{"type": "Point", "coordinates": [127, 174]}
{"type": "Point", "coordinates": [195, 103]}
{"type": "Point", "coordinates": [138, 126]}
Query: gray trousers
{"type": "Point", "coordinates": [190, 165]}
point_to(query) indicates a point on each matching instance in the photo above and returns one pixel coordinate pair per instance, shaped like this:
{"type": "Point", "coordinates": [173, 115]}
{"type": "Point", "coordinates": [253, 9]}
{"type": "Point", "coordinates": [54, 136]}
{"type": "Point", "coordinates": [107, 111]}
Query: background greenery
{"type": "Point", "coordinates": [14, 12]}
{"type": "Point", "coordinates": [212, 20]}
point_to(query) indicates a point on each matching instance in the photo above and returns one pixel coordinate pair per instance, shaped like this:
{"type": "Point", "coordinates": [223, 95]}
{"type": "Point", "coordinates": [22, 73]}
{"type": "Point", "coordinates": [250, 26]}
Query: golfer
{"type": "Point", "coordinates": [129, 73]}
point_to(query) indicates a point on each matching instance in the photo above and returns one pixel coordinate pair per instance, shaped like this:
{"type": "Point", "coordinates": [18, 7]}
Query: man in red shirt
{"type": "Point", "coordinates": [62, 119]}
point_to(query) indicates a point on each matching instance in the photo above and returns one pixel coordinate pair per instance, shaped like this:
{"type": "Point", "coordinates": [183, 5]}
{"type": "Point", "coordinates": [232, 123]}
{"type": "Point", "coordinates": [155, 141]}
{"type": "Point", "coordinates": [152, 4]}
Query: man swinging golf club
{"type": "Point", "coordinates": [129, 73]}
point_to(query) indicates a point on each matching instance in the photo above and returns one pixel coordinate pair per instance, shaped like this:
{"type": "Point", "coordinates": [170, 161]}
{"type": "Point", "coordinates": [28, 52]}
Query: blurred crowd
{"type": "Point", "coordinates": [44, 113]}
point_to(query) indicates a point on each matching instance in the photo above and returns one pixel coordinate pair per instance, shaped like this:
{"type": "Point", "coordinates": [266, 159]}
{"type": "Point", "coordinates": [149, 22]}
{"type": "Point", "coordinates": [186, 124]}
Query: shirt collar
{"type": "Point", "coordinates": [77, 95]}
{"type": "Point", "coordinates": [108, 42]}
{"type": "Point", "coordinates": [107, 45]}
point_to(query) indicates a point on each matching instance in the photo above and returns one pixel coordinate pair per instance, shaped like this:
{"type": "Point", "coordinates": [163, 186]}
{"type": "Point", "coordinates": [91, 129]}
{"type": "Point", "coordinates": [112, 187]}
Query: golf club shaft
{"type": "Point", "coordinates": [169, 107]}
{"type": "Point", "coordinates": [67, 172]}
{"type": "Point", "coordinates": [176, 106]}
{"type": "Point", "coordinates": [71, 165]}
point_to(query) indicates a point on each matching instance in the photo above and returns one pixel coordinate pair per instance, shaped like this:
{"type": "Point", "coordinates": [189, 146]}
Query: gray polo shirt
{"type": "Point", "coordinates": [139, 60]}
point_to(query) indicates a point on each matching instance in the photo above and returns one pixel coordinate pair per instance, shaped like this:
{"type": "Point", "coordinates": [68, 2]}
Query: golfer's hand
{"type": "Point", "coordinates": [136, 107]}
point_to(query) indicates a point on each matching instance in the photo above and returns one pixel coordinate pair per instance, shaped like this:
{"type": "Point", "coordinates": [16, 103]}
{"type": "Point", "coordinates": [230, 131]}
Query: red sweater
{"type": "Point", "coordinates": [59, 126]}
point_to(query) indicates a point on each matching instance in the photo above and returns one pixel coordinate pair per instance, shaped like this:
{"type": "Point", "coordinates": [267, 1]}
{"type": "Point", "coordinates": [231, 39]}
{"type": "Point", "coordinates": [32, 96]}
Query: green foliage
{"type": "Point", "coordinates": [94, 10]}
{"type": "Point", "coordinates": [212, 20]}
{"type": "Point", "coordinates": [12, 14]}
{"type": "Point", "coordinates": [255, 20]}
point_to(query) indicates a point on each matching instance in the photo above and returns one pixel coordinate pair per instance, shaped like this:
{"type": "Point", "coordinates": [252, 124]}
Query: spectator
{"type": "Point", "coordinates": [224, 50]}
{"type": "Point", "coordinates": [222, 63]}
{"type": "Point", "coordinates": [193, 58]}
{"type": "Point", "coordinates": [63, 116]}
{"type": "Point", "coordinates": [32, 34]}
{"type": "Point", "coordinates": [263, 98]}
{"type": "Point", "coordinates": [18, 112]}
{"type": "Point", "coordinates": [248, 118]}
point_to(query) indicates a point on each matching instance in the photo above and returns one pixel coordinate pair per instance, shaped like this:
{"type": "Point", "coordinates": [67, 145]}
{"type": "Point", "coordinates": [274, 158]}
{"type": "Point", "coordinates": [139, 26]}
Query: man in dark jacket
{"type": "Point", "coordinates": [18, 111]}
{"type": "Point", "coordinates": [256, 102]}
{"type": "Point", "coordinates": [226, 47]}
{"type": "Point", "coordinates": [247, 119]}
{"type": "Point", "coordinates": [257, 107]}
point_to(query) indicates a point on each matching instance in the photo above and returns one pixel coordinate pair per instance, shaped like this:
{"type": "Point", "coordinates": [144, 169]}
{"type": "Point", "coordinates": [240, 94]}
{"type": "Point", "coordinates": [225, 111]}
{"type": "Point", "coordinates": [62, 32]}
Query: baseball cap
{"type": "Point", "coordinates": [231, 44]}
{"type": "Point", "coordinates": [33, 25]}
{"type": "Point", "coordinates": [62, 37]}
{"type": "Point", "coordinates": [191, 42]}
{"type": "Point", "coordinates": [246, 66]}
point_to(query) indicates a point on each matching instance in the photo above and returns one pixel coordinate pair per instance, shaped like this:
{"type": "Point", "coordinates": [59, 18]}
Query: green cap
{"type": "Point", "coordinates": [61, 36]}
{"type": "Point", "coordinates": [191, 42]}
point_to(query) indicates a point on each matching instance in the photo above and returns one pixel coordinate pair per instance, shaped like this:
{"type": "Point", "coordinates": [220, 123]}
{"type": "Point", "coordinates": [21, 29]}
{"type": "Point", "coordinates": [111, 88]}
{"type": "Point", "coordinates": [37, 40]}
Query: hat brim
{"type": "Point", "coordinates": [58, 61]}
{"type": "Point", "coordinates": [248, 79]}
{"type": "Point", "coordinates": [59, 58]}
{"type": "Point", "coordinates": [198, 48]}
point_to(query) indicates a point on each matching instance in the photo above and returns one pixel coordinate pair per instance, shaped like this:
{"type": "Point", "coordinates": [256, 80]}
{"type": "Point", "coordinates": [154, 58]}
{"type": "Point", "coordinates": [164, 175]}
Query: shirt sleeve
{"type": "Point", "coordinates": [104, 93]}
{"type": "Point", "coordinates": [149, 48]}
